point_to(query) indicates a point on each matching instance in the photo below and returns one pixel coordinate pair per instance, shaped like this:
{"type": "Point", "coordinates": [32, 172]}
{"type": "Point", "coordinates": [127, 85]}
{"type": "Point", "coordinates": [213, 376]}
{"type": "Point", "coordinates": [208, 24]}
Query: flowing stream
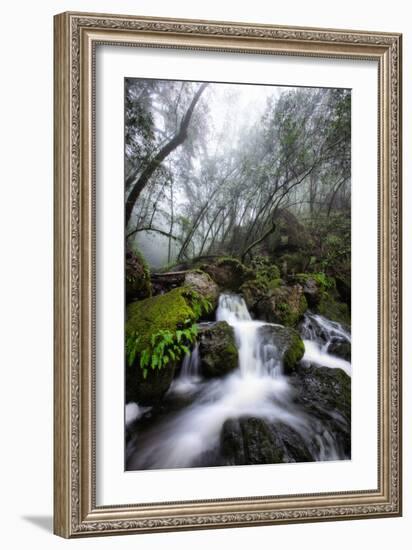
{"type": "Point", "coordinates": [258, 388]}
{"type": "Point", "coordinates": [318, 334]}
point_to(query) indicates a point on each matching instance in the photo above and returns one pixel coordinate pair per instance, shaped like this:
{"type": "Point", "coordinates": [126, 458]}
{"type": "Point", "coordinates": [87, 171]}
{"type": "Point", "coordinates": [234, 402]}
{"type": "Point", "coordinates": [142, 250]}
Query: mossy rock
{"type": "Point", "coordinates": [331, 308]}
{"type": "Point", "coordinates": [217, 350]}
{"type": "Point", "coordinates": [287, 345]}
{"type": "Point", "coordinates": [264, 269]}
{"type": "Point", "coordinates": [138, 285]}
{"type": "Point", "coordinates": [163, 312]}
{"type": "Point", "coordinates": [253, 291]}
{"type": "Point", "coordinates": [324, 282]}
{"type": "Point", "coordinates": [290, 264]}
{"type": "Point", "coordinates": [203, 284]}
{"type": "Point", "coordinates": [149, 390]}
{"type": "Point", "coordinates": [285, 305]}
{"type": "Point", "coordinates": [267, 278]}
{"type": "Point", "coordinates": [228, 273]}
{"type": "Point", "coordinates": [169, 311]}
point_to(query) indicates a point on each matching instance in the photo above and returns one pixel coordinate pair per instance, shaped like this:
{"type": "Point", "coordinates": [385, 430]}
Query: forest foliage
{"type": "Point", "coordinates": [241, 171]}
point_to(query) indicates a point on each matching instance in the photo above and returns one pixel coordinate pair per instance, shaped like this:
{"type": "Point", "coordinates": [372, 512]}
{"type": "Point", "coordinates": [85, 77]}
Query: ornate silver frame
{"type": "Point", "coordinates": [75, 510]}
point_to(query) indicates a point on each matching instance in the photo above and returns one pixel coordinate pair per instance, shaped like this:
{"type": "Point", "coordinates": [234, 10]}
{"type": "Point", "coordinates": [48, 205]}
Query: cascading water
{"type": "Point", "coordinates": [258, 389]}
{"type": "Point", "coordinates": [318, 334]}
{"type": "Point", "coordinates": [189, 377]}
{"type": "Point", "coordinates": [255, 359]}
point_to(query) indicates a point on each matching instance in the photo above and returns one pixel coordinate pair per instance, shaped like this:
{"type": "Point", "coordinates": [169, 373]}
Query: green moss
{"type": "Point", "coordinates": [294, 353]}
{"type": "Point", "coordinates": [293, 263]}
{"type": "Point", "coordinates": [303, 305]}
{"type": "Point", "coordinates": [274, 283]}
{"type": "Point", "coordinates": [228, 273]}
{"type": "Point", "coordinates": [290, 312]}
{"type": "Point", "coordinates": [332, 309]}
{"type": "Point", "coordinates": [325, 282]}
{"type": "Point", "coordinates": [163, 319]}
{"type": "Point", "coordinates": [168, 311]}
{"type": "Point", "coordinates": [218, 352]}
{"type": "Point", "coordinates": [137, 275]}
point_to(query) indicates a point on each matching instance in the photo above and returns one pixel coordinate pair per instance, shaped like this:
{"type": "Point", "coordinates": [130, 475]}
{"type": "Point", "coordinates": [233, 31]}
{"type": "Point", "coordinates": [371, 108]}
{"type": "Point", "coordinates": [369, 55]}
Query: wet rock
{"type": "Point", "coordinates": [295, 449]}
{"type": "Point", "coordinates": [253, 292]}
{"type": "Point", "coordinates": [138, 285]}
{"type": "Point", "coordinates": [166, 312]}
{"type": "Point", "coordinates": [231, 442]}
{"type": "Point", "coordinates": [343, 286]}
{"type": "Point", "coordinates": [203, 284]}
{"type": "Point", "coordinates": [285, 305]}
{"type": "Point", "coordinates": [288, 347]}
{"type": "Point", "coordinates": [330, 307]}
{"type": "Point", "coordinates": [325, 394]}
{"type": "Point", "coordinates": [340, 348]}
{"type": "Point", "coordinates": [312, 292]}
{"type": "Point", "coordinates": [251, 440]}
{"type": "Point", "coordinates": [217, 350]}
{"type": "Point", "coordinates": [149, 390]}
{"type": "Point", "coordinates": [227, 273]}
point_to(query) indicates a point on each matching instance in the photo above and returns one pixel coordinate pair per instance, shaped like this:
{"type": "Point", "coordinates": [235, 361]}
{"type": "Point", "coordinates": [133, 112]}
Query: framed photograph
{"type": "Point", "coordinates": [227, 274]}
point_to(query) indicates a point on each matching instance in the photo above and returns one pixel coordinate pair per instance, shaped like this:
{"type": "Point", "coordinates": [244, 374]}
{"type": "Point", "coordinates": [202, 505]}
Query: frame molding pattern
{"type": "Point", "coordinates": [75, 510]}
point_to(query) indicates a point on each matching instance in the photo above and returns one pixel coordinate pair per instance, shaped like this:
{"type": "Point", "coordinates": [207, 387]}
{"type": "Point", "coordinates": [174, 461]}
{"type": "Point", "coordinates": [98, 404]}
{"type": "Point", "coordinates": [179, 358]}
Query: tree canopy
{"type": "Point", "coordinates": [237, 170]}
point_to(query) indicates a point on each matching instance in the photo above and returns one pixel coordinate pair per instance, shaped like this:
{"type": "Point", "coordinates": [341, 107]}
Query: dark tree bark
{"type": "Point", "coordinates": [165, 233]}
{"type": "Point", "coordinates": [258, 241]}
{"type": "Point", "coordinates": [138, 182]}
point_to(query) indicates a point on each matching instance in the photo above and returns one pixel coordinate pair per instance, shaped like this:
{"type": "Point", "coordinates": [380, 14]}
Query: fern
{"type": "Point", "coordinates": [132, 344]}
{"type": "Point", "coordinates": [165, 347]}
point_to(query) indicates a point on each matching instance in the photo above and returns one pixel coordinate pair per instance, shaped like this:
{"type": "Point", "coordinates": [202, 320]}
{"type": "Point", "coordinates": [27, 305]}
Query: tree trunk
{"type": "Point", "coordinates": [258, 241]}
{"type": "Point", "coordinates": [139, 182]}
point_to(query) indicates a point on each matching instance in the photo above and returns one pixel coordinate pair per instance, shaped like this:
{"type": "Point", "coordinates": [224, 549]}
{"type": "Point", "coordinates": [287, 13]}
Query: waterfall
{"type": "Point", "coordinates": [191, 365]}
{"type": "Point", "coordinates": [189, 378]}
{"type": "Point", "coordinates": [318, 334]}
{"type": "Point", "coordinates": [232, 308]}
{"type": "Point", "coordinates": [257, 388]}
{"type": "Point", "coordinates": [256, 357]}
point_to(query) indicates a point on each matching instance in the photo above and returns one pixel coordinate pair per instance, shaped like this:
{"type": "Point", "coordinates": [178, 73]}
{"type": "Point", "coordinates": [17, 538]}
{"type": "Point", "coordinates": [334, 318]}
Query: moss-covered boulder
{"type": "Point", "coordinates": [284, 305]}
{"type": "Point", "coordinates": [138, 285]}
{"type": "Point", "coordinates": [168, 312]}
{"type": "Point", "coordinates": [266, 279]}
{"type": "Point", "coordinates": [228, 273]}
{"type": "Point", "coordinates": [285, 345]}
{"type": "Point", "coordinates": [292, 263]}
{"type": "Point", "coordinates": [329, 306]}
{"type": "Point", "coordinates": [312, 290]}
{"type": "Point", "coordinates": [253, 292]}
{"type": "Point", "coordinates": [217, 350]}
{"type": "Point", "coordinates": [196, 279]}
{"type": "Point", "coordinates": [149, 390]}
{"type": "Point", "coordinates": [164, 312]}
{"type": "Point", "coordinates": [203, 284]}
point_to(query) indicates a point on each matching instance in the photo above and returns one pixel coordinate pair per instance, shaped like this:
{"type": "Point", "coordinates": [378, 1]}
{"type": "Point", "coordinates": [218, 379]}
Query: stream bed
{"type": "Point", "coordinates": [258, 413]}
